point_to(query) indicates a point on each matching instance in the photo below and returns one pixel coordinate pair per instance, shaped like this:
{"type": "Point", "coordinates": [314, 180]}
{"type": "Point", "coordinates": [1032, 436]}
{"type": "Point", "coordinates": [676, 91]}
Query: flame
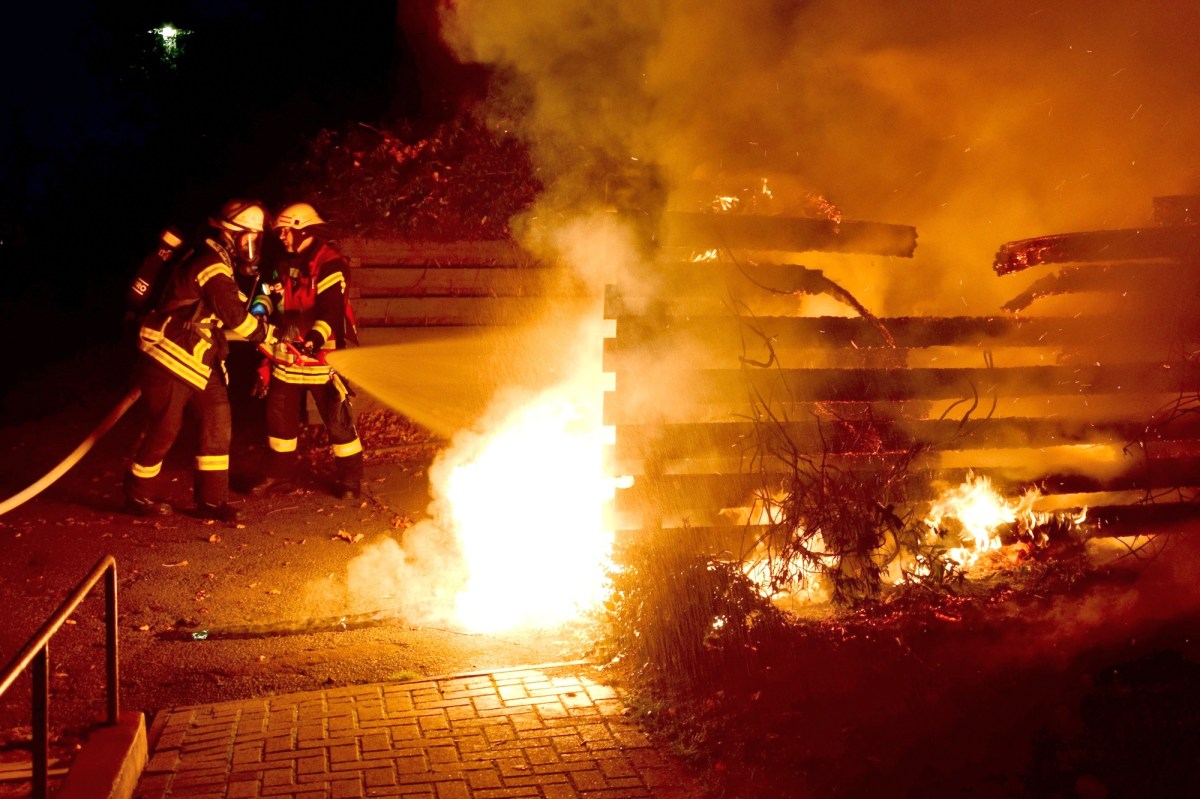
{"type": "Point", "coordinates": [725, 203]}
{"type": "Point", "coordinates": [527, 506]}
{"type": "Point", "coordinates": [776, 578]}
{"type": "Point", "coordinates": [707, 255]}
{"type": "Point", "coordinates": [981, 512]}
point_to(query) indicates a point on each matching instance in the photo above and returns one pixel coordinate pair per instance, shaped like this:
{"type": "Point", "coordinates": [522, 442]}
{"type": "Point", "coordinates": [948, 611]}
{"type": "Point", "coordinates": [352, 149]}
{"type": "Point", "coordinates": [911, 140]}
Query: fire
{"type": "Point", "coordinates": [776, 578]}
{"type": "Point", "coordinates": [527, 507]}
{"type": "Point", "coordinates": [707, 255]}
{"type": "Point", "coordinates": [982, 513]}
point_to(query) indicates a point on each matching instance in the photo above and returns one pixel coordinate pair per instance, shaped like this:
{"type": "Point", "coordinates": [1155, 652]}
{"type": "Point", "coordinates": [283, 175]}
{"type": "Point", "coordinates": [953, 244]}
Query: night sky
{"type": "Point", "coordinates": [107, 137]}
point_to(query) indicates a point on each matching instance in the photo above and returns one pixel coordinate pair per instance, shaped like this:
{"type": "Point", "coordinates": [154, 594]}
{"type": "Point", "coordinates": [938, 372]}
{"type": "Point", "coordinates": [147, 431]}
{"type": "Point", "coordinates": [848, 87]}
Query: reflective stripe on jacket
{"type": "Point", "coordinates": [311, 301]}
{"type": "Point", "coordinates": [186, 333]}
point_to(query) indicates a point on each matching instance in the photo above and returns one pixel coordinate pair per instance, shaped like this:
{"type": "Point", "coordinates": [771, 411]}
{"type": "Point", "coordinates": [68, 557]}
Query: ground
{"type": "Point", "coordinates": [285, 567]}
{"type": "Point", "coordinates": [1064, 679]}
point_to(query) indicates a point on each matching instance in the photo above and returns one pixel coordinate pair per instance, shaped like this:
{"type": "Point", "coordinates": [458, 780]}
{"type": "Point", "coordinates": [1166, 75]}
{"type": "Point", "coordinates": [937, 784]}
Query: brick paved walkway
{"type": "Point", "coordinates": [549, 732]}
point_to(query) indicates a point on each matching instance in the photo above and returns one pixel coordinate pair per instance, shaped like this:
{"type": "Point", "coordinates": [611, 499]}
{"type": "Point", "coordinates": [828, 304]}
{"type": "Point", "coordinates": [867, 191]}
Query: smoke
{"type": "Point", "coordinates": [417, 580]}
{"type": "Point", "coordinates": [978, 123]}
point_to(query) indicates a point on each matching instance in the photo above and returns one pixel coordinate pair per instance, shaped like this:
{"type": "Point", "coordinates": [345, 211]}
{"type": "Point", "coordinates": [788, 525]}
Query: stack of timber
{"type": "Point", "coordinates": [722, 383]}
{"type": "Point", "coordinates": [397, 285]}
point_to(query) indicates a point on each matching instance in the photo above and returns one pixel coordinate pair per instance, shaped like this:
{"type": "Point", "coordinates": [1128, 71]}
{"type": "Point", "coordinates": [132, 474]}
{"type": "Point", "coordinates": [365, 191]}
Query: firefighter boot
{"type": "Point", "coordinates": [140, 502]}
{"type": "Point", "coordinates": [212, 493]}
{"type": "Point", "coordinates": [280, 479]}
{"type": "Point", "coordinates": [348, 482]}
{"type": "Point", "coordinates": [273, 484]}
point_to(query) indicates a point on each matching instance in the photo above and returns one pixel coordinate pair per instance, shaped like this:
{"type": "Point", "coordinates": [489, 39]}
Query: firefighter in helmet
{"type": "Point", "coordinates": [310, 307]}
{"type": "Point", "coordinates": [184, 347]}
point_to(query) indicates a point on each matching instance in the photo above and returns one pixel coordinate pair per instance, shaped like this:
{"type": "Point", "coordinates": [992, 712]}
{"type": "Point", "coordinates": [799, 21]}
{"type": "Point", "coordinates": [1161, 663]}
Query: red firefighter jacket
{"type": "Point", "coordinates": [310, 304]}
{"type": "Point", "coordinates": [186, 332]}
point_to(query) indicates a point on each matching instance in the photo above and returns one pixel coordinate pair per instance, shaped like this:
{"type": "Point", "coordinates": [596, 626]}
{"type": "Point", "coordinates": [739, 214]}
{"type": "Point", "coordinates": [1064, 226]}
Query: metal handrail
{"type": "Point", "coordinates": [37, 653]}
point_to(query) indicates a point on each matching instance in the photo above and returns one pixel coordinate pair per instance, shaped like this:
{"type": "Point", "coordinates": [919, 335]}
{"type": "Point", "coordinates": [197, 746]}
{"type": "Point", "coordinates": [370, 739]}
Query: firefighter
{"type": "Point", "coordinates": [184, 347]}
{"type": "Point", "coordinates": [310, 307]}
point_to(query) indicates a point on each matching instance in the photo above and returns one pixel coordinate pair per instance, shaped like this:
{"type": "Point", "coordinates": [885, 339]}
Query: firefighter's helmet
{"type": "Point", "coordinates": [298, 216]}
{"type": "Point", "coordinates": [241, 216]}
{"type": "Point", "coordinates": [297, 225]}
{"type": "Point", "coordinates": [243, 223]}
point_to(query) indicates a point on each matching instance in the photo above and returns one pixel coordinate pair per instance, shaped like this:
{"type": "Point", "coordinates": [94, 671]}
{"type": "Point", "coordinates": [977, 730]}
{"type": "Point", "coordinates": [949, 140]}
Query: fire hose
{"type": "Point", "coordinates": [293, 355]}
{"type": "Point", "coordinates": [84, 447]}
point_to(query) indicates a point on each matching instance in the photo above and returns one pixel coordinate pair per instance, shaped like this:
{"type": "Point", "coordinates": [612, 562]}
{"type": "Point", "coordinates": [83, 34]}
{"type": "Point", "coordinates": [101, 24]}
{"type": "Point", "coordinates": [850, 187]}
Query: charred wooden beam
{"type": "Point", "coordinates": [717, 278]}
{"type": "Point", "coordinates": [878, 435]}
{"type": "Point", "coordinates": [1129, 520]}
{"type": "Point", "coordinates": [1099, 246]}
{"type": "Point", "coordinates": [446, 311]}
{"type": "Point", "coordinates": [1138, 278]}
{"type": "Point", "coordinates": [894, 385]}
{"type": "Point", "coordinates": [637, 328]}
{"type": "Point", "coordinates": [455, 281]}
{"type": "Point", "coordinates": [398, 252]}
{"type": "Point", "coordinates": [1177, 209]}
{"type": "Point", "coordinates": [699, 499]}
{"type": "Point", "coordinates": [789, 234]}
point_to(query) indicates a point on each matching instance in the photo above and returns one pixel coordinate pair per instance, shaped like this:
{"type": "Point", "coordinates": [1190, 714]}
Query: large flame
{"type": "Point", "coordinates": [528, 511]}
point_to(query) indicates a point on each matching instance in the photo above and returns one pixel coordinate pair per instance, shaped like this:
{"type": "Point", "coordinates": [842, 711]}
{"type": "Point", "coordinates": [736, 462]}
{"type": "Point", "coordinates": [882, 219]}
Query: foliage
{"type": "Point", "coordinates": [460, 181]}
{"type": "Point", "coordinates": [678, 616]}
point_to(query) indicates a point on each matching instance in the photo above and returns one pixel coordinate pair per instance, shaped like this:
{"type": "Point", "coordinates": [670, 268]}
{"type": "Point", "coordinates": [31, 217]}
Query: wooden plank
{"type": "Point", "coordinates": [1103, 521]}
{"type": "Point", "coordinates": [789, 234]}
{"type": "Point", "coordinates": [675, 441]}
{"type": "Point", "coordinates": [778, 458]}
{"type": "Point", "coordinates": [472, 281]}
{"type": "Point", "coordinates": [797, 355]}
{"type": "Point", "coordinates": [1161, 280]}
{"type": "Point", "coordinates": [1181, 242]}
{"type": "Point", "coordinates": [717, 278]}
{"type": "Point", "coordinates": [402, 252]}
{"type": "Point", "coordinates": [638, 331]}
{"type": "Point", "coordinates": [705, 499]}
{"type": "Point", "coordinates": [447, 311]}
{"type": "Point", "coordinates": [1053, 406]}
{"type": "Point", "coordinates": [637, 388]}
{"type": "Point", "coordinates": [1129, 520]}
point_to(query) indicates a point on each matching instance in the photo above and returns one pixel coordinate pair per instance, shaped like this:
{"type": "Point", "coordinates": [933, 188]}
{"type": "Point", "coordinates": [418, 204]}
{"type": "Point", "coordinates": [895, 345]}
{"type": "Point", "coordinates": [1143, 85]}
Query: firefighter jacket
{"type": "Point", "coordinates": [310, 304]}
{"type": "Point", "coordinates": [186, 332]}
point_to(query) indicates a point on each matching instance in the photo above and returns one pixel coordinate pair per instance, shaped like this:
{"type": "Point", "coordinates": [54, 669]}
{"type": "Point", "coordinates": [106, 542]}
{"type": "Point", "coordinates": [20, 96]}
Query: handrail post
{"type": "Point", "coordinates": [41, 721]}
{"type": "Point", "coordinates": [113, 666]}
{"type": "Point", "coordinates": [36, 657]}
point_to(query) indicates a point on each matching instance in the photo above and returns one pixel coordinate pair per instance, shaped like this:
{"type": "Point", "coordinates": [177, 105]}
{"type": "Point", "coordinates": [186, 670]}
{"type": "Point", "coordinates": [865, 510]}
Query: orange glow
{"type": "Point", "coordinates": [981, 512]}
{"type": "Point", "coordinates": [527, 507]}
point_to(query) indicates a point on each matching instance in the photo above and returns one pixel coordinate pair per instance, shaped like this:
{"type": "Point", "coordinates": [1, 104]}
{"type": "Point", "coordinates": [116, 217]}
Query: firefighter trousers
{"type": "Point", "coordinates": [166, 399]}
{"type": "Point", "coordinates": [285, 403]}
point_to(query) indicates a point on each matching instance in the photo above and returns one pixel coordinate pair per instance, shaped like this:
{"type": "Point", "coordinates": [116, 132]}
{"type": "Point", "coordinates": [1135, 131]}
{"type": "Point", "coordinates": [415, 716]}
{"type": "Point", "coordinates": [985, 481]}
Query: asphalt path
{"type": "Point", "coordinates": [286, 565]}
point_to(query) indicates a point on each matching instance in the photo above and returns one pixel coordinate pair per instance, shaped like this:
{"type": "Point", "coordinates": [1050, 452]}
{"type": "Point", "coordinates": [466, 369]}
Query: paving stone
{"type": "Point", "coordinates": [544, 734]}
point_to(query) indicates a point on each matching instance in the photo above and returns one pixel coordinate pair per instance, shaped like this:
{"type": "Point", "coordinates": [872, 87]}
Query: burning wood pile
{"type": "Point", "coordinates": [864, 449]}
